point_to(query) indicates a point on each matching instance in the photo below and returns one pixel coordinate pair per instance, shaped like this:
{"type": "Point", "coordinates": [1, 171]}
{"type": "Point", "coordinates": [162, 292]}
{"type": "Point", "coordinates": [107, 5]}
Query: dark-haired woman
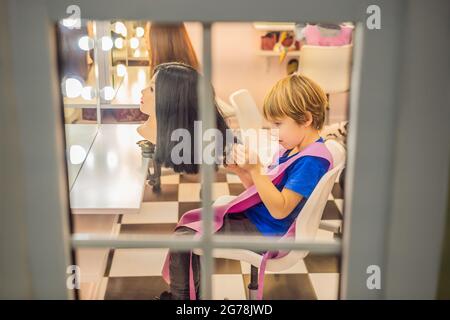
{"type": "Point", "coordinates": [171, 101]}
{"type": "Point", "coordinates": [167, 42]}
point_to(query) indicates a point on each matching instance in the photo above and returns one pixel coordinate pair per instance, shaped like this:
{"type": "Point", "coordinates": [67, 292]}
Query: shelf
{"type": "Point", "coordinates": [274, 26]}
{"type": "Point", "coordinates": [269, 53]}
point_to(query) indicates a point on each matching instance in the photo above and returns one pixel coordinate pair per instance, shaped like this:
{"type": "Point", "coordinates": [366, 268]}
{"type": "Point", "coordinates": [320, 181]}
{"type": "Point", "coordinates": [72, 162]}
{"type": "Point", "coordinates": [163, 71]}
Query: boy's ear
{"type": "Point", "coordinates": [309, 119]}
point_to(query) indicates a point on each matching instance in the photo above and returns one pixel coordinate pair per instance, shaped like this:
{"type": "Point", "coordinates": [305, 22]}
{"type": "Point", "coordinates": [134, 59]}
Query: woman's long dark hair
{"type": "Point", "coordinates": [176, 102]}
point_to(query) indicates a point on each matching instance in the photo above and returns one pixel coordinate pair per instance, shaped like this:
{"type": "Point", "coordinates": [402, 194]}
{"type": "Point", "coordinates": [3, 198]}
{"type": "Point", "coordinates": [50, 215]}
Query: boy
{"type": "Point", "coordinates": [296, 107]}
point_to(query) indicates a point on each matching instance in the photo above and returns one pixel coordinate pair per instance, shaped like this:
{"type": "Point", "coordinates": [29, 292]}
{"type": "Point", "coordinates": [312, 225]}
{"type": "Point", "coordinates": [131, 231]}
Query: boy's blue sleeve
{"type": "Point", "coordinates": [305, 173]}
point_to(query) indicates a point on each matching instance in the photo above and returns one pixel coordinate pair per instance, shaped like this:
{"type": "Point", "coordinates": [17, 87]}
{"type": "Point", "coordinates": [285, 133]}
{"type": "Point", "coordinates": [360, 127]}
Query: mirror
{"type": "Point", "coordinates": [76, 59]}
{"type": "Point", "coordinates": [103, 66]}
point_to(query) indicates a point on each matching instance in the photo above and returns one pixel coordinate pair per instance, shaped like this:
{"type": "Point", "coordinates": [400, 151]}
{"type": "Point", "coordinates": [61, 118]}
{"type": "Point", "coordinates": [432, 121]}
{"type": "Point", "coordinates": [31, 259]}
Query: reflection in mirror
{"type": "Point", "coordinates": [78, 89]}
{"type": "Point", "coordinates": [130, 71]}
{"type": "Point", "coordinates": [77, 72]}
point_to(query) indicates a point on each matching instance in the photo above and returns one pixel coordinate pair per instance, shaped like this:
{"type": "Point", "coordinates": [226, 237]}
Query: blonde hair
{"type": "Point", "coordinates": [293, 97]}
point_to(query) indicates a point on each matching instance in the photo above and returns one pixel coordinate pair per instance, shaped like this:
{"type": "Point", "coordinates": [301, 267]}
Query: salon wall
{"type": "Point", "coordinates": [236, 64]}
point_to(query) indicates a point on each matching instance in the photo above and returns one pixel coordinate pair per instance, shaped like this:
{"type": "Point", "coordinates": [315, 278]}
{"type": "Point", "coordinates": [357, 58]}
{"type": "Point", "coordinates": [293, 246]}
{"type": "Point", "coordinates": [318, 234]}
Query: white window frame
{"type": "Point", "coordinates": [371, 224]}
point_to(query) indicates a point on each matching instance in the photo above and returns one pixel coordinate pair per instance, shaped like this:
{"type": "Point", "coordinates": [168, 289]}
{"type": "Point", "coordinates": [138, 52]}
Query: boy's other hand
{"type": "Point", "coordinates": [234, 168]}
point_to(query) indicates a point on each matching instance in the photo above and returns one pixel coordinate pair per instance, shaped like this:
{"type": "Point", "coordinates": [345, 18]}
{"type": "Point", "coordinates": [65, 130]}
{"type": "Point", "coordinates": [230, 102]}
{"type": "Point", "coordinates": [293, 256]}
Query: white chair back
{"type": "Point", "coordinates": [329, 66]}
{"type": "Point", "coordinates": [308, 220]}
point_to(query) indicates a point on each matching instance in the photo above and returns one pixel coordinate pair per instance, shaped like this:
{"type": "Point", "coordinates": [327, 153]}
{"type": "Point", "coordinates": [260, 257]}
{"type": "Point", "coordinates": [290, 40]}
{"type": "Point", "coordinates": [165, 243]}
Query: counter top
{"type": "Point", "coordinates": [111, 180]}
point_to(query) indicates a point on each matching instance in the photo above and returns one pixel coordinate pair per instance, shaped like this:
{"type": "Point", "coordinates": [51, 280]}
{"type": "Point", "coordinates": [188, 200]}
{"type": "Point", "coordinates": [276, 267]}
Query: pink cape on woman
{"type": "Point", "coordinates": [245, 200]}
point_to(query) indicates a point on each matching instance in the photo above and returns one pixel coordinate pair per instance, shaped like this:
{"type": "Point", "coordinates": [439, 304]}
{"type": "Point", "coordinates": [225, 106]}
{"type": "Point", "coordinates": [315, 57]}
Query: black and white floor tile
{"type": "Point", "coordinates": [136, 273]}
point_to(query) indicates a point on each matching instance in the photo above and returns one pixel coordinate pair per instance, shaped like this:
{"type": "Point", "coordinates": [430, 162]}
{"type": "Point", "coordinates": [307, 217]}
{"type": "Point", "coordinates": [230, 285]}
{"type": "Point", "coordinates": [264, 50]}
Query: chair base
{"type": "Point", "coordinates": [252, 294]}
{"type": "Point", "coordinates": [253, 285]}
{"type": "Point", "coordinates": [154, 179]}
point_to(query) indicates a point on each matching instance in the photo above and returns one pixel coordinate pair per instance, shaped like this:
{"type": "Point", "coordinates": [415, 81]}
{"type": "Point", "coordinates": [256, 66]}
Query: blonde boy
{"type": "Point", "coordinates": [296, 107]}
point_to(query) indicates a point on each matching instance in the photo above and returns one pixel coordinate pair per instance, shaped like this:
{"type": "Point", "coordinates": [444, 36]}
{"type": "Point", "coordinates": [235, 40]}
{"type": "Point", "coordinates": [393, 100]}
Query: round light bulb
{"type": "Point", "coordinates": [73, 87]}
{"type": "Point", "coordinates": [85, 43]}
{"type": "Point", "coordinates": [88, 93]}
{"type": "Point", "coordinates": [107, 43]}
{"type": "Point", "coordinates": [139, 32]}
{"type": "Point", "coordinates": [108, 93]}
{"type": "Point", "coordinates": [118, 43]}
{"type": "Point", "coordinates": [134, 43]}
{"type": "Point", "coordinates": [119, 27]}
{"type": "Point", "coordinates": [121, 70]}
{"type": "Point", "coordinates": [77, 154]}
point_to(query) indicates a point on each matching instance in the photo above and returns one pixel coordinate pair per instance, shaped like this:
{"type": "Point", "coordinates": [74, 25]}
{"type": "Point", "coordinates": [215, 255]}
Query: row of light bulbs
{"type": "Point", "coordinates": [86, 43]}
{"type": "Point", "coordinates": [120, 28]}
{"type": "Point", "coordinates": [73, 88]}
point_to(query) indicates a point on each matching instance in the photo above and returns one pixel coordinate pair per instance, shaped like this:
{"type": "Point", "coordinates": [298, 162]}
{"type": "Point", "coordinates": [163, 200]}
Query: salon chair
{"type": "Point", "coordinates": [148, 151]}
{"type": "Point", "coordinates": [307, 224]}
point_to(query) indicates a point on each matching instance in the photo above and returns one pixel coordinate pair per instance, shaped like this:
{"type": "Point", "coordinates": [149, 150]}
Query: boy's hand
{"type": "Point", "coordinates": [234, 168]}
{"type": "Point", "coordinates": [246, 158]}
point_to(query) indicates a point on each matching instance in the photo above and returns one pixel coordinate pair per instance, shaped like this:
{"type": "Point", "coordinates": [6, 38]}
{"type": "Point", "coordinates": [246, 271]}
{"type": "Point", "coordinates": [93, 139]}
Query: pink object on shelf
{"type": "Point", "coordinates": [315, 38]}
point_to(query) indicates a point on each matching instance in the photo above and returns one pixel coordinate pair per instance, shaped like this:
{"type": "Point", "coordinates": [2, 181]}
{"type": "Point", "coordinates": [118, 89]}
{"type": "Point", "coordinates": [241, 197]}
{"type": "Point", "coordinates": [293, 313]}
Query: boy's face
{"type": "Point", "coordinates": [291, 134]}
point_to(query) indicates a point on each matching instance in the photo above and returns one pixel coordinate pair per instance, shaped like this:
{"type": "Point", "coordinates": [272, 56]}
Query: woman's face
{"type": "Point", "coordinates": [148, 98]}
{"type": "Point", "coordinates": [148, 106]}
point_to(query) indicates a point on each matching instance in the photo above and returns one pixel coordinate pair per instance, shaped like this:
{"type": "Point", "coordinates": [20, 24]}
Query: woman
{"type": "Point", "coordinates": [171, 101]}
{"type": "Point", "coordinates": [170, 43]}
{"type": "Point", "coordinates": [167, 43]}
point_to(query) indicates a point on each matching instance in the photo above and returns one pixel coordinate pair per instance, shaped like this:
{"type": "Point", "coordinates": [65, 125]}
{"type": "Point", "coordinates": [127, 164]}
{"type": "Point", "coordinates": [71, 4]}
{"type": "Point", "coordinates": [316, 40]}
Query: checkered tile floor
{"type": "Point", "coordinates": [135, 273]}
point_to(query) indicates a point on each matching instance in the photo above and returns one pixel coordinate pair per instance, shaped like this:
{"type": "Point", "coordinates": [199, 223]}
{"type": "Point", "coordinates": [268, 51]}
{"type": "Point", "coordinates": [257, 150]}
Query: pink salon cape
{"type": "Point", "coordinates": [245, 200]}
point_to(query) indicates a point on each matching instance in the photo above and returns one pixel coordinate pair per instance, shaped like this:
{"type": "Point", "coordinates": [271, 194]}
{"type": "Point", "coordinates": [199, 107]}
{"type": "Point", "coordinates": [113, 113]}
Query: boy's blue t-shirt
{"type": "Point", "coordinates": [302, 176]}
